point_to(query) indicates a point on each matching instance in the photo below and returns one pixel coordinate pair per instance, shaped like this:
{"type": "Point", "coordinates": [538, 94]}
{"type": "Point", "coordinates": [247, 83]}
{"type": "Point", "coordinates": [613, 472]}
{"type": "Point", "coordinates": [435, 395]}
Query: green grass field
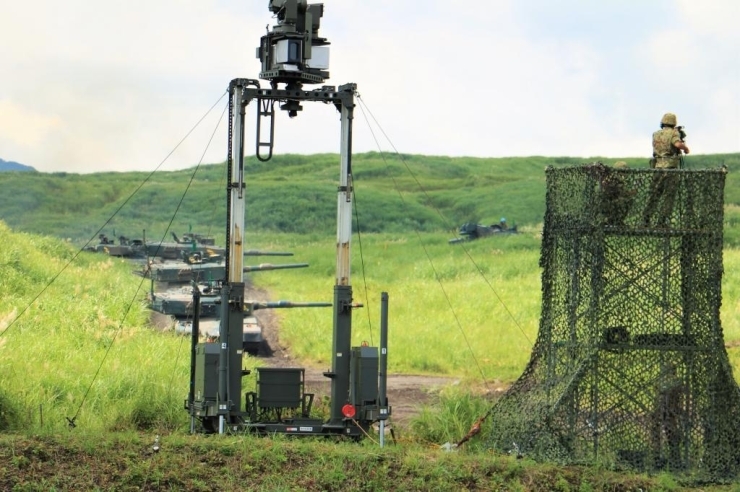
{"type": "Point", "coordinates": [82, 350]}
{"type": "Point", "coordinates": [471, 311]}
{"type": "Point", "coordinates": [468, 310]}
{"type": "Point", "coordinates": [75, 343]}
{"type": "Point", "coordinates": [454, 309]}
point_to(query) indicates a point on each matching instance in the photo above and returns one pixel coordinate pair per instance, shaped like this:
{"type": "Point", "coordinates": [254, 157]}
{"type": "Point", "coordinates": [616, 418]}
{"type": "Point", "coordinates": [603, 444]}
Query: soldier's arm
{"type": "Point", "coordinates": [677, 142]}
{"type": "Point", "coordinates": [682, 146]}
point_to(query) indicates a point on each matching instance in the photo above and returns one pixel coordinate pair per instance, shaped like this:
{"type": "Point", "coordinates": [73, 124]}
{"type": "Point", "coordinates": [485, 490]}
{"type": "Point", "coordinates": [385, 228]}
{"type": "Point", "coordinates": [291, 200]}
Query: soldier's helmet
{"type": "Point", "coordinates": [668, 119]}
{"type": "Point", "coordinates": [620, 165]}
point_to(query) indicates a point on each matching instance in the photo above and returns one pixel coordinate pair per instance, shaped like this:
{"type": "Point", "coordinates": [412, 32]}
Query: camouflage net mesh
{"type": "Point", "coordinates": [629, 368]}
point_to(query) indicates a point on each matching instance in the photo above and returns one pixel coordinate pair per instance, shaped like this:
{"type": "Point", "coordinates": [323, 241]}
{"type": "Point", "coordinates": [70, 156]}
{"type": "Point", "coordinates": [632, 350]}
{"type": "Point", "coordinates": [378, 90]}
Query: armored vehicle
{"type": "Point", "coordinates": [178, 301]}
{"type": "Point", "coordinates": [472, 230]}
{"type": "Point", "coordinates": [198, 239]}
{"type": "Point", "coordinates": [181, 272]}
{"type": "Point", "coordinates": [253, 341]}
{"type": "Point", "coordinates": [126, 248]}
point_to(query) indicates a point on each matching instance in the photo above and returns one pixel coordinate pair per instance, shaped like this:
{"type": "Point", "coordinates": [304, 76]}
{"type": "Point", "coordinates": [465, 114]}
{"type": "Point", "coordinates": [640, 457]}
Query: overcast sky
{"type": "Point", "coordinates": [113, 85]}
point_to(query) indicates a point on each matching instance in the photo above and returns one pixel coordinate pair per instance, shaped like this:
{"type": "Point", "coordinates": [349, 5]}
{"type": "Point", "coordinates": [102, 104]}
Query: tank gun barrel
{"type": "Point", "coordinates": [285, 304]}
{"type": "Point", "coordinates": [271, 266]}
{"type": "Point", "coordinates": [255, 252]}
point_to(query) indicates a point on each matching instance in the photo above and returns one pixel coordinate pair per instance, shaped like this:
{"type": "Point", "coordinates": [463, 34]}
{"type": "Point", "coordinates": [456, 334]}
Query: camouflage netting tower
{"type": "Point", "coordinates": [629, 368]}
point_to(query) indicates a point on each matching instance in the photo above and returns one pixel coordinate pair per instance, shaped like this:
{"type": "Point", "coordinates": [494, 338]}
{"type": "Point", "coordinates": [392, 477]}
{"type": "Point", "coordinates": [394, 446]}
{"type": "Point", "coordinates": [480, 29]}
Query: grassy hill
{"type": "Point", "coordinates": [295, 194]}
{"type": "Point", "coordinates": [125, 462]}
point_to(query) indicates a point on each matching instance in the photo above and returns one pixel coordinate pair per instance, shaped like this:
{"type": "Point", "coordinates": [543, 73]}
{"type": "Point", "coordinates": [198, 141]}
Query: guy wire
{"type": "Point", "coordinates": [426, 252]}
{"type": "Point", "coordinates": [71, 260]}
{"type": "Point", "coordinates": [136, 294]}
{"type": "Point", "coordinates": [444, 219]}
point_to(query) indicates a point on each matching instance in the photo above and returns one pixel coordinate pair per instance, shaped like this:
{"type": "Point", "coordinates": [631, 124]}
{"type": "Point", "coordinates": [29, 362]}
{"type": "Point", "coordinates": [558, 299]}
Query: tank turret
{"type": "Point", "coordinates": [178, 302]}
{"type": "Point", "coordinates": [126, 248]}
{"type": "Point", "coordinates": [192, 238]}
{"type": "Point", "coordinates": [180, 272]}
{"type": "Point", "coordinates": [472, 230]}
{"type": "Point", "coordinates": [176, 250]}
{"type": "Point", "coordinates": [253, 341]}
{"type": "Point", "coordinates": [191, 244]}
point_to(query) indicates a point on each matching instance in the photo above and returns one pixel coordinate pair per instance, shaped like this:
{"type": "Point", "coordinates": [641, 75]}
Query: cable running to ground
{"type": "Point", "coordinates": [200, 162]}
{"type": "Point", "coordinates": [362, 263]}
{"type": "Point", "coordinates": [476, 427]}
{"type": "Point", "coordinates": [66, 265]}
{"type": "Point", "coordinates": [363, 106]}
{"type": "Point", "coordinates": [426, 252]}
{"type": "Point", "coordinates": [72, 420]}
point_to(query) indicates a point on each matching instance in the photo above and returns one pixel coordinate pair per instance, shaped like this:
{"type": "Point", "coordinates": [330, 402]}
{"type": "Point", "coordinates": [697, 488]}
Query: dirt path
{"type": "Point", "coordinates": [406, 393]}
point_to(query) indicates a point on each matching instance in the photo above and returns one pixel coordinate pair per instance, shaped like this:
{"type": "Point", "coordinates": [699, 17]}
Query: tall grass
{"type": "Point", "coordinates": [83, 349]}
{"type": "Point", "coordinates": [469, 310]}
{"type": "Point", "coordinates": [451, 418]}
{"type": "Point", "coordinates": [730, 309]}
{"type": "Point", "coordinates": [76, 461]}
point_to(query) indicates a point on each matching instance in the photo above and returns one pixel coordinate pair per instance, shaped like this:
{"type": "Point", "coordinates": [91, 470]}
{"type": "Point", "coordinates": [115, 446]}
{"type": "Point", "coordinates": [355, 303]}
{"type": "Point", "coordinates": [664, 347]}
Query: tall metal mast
{"type": "Point", "coordinates": [232, 293]}
{"type": "Point", "coordinates": [342, 332]}
{"type": "Point", "coordinates": [292, 54]}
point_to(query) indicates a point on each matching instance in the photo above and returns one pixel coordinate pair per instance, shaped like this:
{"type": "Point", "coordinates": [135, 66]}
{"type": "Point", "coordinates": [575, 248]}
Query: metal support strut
{"type": "Point", "coordinates": [265, 109]}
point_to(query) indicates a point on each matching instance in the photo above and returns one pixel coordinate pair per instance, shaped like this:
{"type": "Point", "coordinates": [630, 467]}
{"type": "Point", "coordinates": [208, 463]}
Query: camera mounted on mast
{"type": "Point", "coordinates": [293, 53]}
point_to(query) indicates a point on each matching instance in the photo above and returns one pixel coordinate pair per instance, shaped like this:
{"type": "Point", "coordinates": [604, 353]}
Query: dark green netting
{"type": "Point", "coordinates": [629, 368]}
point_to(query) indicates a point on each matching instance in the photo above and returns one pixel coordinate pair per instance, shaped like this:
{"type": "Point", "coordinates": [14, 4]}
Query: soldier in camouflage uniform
{"type": "Point", "coordinates": [616, 195]}
{"type": "Point", "coordinates": [667, 147]}
{"type": "Point", "coordinates": [667, 144]}
{"type": "Point", "coordinates": [666, 426]}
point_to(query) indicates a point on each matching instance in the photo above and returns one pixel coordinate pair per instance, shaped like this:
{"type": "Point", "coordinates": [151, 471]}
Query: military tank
{"type": "Point", "coordinates": [179, 248]}
{"type": "Point", "coordinates": [184, 271]}
{"type": "Point", "coordinates": [178, 301]}
{"type": "Point", "coordinates": [472, 230]}
{"type": "Point", "coordinates": [253, 341]}
{"type": "Point", "coordinates": [192, 244]}
{"type": "Point", "coordinates": [126, 248]}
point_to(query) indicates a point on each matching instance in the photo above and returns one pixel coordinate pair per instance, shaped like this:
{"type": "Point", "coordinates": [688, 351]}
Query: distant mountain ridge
{"type": "Point", "coordinates": [293, 193]}
{"type": "Point", "coordinates": [14, 166]}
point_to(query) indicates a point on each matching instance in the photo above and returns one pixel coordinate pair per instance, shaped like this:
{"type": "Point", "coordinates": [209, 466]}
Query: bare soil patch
{"type": "Point", "coordinates": [161, 322]}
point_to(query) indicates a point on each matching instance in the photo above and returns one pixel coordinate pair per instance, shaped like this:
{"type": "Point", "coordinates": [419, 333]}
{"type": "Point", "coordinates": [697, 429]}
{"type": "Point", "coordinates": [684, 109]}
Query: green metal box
{"type": "Point", "coordinates": [206, 371]}
{"type": "Point", "coordinates": [279, 387]}
{"type": "Point", "coordinates": [363, 375]}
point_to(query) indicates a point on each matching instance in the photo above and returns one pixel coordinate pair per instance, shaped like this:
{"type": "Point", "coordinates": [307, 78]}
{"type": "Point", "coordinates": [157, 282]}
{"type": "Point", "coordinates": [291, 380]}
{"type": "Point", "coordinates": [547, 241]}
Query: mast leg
{"type": "Point", "coordinates": [342, 335]}
{"type": "Point", "coordinates": [341, 349]}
